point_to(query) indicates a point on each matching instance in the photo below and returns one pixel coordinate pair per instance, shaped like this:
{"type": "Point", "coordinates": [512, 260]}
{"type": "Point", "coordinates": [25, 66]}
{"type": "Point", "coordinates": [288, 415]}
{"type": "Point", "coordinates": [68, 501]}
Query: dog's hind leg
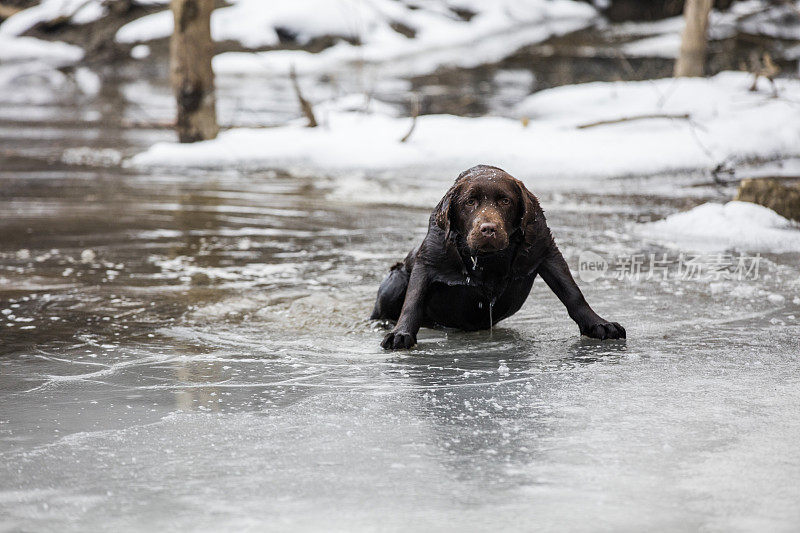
{"type": "Point", "coordinates": [391, 294]}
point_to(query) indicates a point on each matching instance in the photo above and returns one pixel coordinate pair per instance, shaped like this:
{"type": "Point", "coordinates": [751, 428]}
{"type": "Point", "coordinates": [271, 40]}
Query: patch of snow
{"type": "Point", "coordinates": [150, 27]}
{"type": "Point", "coordinates": [440, 37]}
{"type": "Point", "coordinates": [731, 226]}
{"type": "Point", "coordinates": [19, 49]}
{"type": "Point", "coordinates": [88, 81]}
{"type": "Point", "coordinates": [727, 120]}
{"type": "Point", "coordinates": [140, 51]}
{"type": "Point", "coordinates": [776, 298]}
{"type": "Point", "coordinates": [706, 99]}
{"type": "Point", "coordinates": [90, 12]}
{"type": "Point", "coordinates": [81, 12]}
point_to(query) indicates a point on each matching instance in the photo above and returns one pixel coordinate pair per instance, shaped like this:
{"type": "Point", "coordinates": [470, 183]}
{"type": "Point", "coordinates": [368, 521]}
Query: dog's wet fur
{"type": "Point", "coordinates": [487, 241]}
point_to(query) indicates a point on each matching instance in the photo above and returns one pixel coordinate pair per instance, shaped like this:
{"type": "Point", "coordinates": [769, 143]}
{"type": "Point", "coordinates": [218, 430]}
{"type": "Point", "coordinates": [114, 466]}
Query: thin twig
{"type": "Point", "coordinates": [723, 168]}
{"type": "Point", "coordinates": [414, 115]}
{"type": "Point", "coordinates": [305, 106]}
{"type": "Point", "coordinates": [155, 125]}
{"type": "Point", "coordinates": [683, 116]}
{"type": "Point", "coordinates": [734, 180]}
{"type": "Point", "coordinates": [768, 69]}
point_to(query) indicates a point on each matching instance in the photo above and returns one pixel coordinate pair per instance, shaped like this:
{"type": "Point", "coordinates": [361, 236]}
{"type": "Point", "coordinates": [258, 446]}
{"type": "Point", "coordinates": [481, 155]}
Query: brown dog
{"type": "Point", "coordinates": [487, 240]}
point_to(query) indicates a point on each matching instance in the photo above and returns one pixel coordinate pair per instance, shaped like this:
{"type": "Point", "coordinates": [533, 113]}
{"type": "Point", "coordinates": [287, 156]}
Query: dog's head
{"type": "Point", "coordinates": [485, 206]}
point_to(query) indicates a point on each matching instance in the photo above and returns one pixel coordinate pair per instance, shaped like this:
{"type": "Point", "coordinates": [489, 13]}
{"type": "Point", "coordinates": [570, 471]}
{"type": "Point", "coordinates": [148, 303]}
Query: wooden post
{"type": "Point", "coordinates": [192, 78]}
{"type": "Point", "coordinates": [694, 40]}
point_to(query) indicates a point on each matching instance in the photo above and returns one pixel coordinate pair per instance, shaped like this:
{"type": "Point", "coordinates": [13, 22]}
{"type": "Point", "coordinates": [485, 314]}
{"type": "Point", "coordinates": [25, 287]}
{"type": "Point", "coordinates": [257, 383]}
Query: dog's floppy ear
{"type": "Point", "coordinates": [531, 214]}
{"type": "Point", "coordinates": [442, 212]}
{"type": "Point", "coordinates": [535, 234]}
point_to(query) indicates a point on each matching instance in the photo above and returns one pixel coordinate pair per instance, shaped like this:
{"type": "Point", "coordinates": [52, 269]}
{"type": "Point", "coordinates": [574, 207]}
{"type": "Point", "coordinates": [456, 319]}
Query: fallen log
{"type": "Point", "coordinates": [783, 199]}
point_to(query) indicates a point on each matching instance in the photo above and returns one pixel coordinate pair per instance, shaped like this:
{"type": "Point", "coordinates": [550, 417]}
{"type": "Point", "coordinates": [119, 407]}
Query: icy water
{"type": "Point", "coordinates": [190, 351]}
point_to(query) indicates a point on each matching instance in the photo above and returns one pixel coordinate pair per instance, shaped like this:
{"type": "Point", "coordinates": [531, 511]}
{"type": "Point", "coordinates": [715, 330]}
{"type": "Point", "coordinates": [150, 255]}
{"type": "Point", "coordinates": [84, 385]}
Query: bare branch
{"type": "Point", "coordinates": [414, 115]}
{"type": "Point", "coordinates": [305, 106]}
{"type": "Point", "coordinates": [683, 116]}
{"type": "Point", "coordinates": [768, 69]}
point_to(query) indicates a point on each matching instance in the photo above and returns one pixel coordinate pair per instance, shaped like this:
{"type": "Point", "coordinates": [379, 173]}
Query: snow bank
{"type": "Point", "coordinates": [723, 97]}
{"type": "Point", "coordinates": [16, 49]}
{"type": "Point", "coordinates": [19, 49]}
{"type": "Point", "coordinates": [732, 226]}
{"type": "Point", "coordinates": [727, 120]}
{"type": "Point", "coordinates": [439, 35]}
{"type": "Point", "coordinates": [150, 27]}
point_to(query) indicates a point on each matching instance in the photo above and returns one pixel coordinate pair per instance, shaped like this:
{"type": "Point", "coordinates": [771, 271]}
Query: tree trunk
{"type": "Point", "coordinates": [191, 49]}
{"type": "Point", "coordinates": [693, 42]}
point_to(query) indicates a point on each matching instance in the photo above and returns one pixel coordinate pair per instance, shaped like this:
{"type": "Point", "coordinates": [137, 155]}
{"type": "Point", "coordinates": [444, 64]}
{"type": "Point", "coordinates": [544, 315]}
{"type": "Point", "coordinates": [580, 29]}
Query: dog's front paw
{"type": "Point", "coordinates": [398, 340]}
{"type": "Point", "coordinates": [604, 330]}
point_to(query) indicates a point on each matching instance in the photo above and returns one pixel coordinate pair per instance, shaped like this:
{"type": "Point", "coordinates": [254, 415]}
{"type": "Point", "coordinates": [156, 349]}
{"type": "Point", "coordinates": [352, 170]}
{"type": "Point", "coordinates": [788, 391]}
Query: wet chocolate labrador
{"type": "Point", "coordinates": [487, 241]}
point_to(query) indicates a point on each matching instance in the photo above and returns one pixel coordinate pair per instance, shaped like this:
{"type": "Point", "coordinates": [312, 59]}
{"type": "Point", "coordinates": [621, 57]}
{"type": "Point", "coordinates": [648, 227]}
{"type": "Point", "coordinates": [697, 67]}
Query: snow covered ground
{"type": "Point", "coordinates": [731, 226]}
{"type": "Point", "coordinates": [725, 120]}
{"type": "Point", "coordinates": [21, 49]}
{"type": "Point", "coordinates": [391, 34]}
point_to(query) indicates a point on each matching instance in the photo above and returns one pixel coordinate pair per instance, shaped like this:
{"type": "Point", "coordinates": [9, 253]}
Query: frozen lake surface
{"type": "Point", "coordinates": [191, 352]}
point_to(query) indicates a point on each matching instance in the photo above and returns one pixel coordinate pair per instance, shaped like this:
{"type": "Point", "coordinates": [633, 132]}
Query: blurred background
{"type": "Point", "coordinates": [199, 200]}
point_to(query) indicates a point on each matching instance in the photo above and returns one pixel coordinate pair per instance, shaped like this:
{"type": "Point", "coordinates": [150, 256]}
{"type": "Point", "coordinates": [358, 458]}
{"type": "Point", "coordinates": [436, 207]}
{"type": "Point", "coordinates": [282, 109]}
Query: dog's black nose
{"type": "Point", "coordinates": [488, 229]}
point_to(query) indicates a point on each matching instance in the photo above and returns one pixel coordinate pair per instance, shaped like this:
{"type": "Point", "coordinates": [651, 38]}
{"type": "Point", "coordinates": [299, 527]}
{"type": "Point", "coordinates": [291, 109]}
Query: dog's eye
{"type": "Point", "coordinates": [505, 201]}
{"type": "Point", "coordinates": [470, 202]}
